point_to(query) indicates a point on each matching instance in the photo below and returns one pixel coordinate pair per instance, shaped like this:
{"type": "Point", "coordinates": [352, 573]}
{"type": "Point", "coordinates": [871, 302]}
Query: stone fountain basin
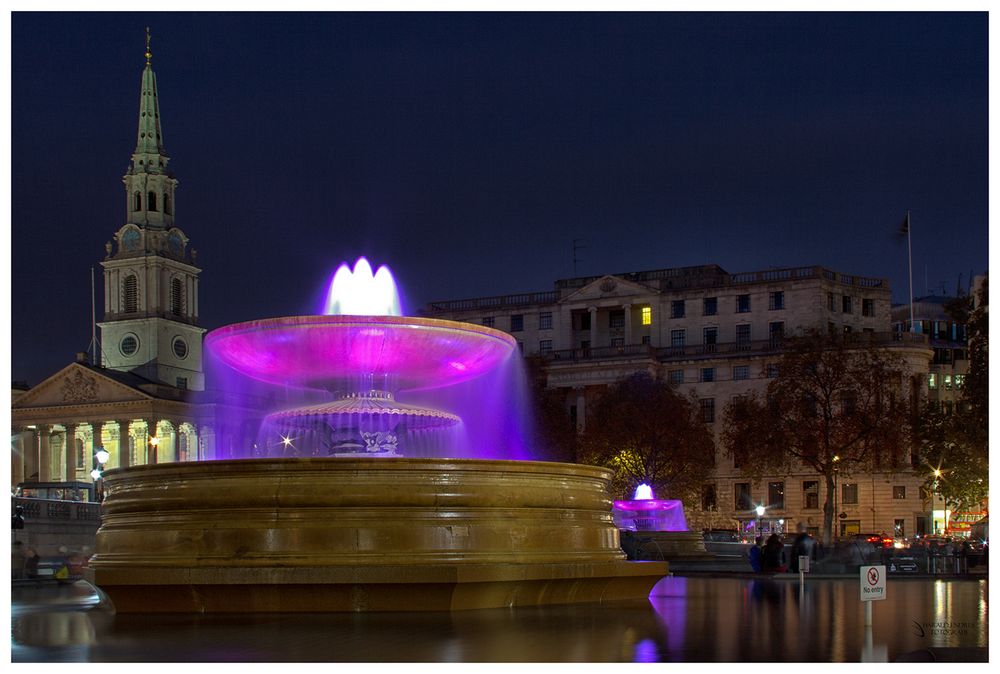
{"type": "Point", "coordinates": [360, 534]}
{"type": "Point", "coordinates": [319, 351]}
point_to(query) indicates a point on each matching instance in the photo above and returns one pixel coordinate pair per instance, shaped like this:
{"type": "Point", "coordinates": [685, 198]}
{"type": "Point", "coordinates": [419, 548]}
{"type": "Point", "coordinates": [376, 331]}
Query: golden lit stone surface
{"type": "Point", "coordinates": [360, 534]}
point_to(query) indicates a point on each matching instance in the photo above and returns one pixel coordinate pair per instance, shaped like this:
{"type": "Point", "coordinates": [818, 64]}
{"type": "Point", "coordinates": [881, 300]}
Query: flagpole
{"type": "Point", "coordinates": [909, 251]}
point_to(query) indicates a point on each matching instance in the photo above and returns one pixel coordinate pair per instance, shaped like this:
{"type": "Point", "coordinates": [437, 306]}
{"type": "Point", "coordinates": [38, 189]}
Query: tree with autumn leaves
{"type": "Point", "coordinates": [646, 432]}
{"type": "Point", "coordinates": [839, 404]}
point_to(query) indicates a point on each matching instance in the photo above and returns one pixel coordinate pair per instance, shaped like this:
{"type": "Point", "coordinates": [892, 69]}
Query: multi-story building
{"type": "Point", "coordinates": [717, 335]}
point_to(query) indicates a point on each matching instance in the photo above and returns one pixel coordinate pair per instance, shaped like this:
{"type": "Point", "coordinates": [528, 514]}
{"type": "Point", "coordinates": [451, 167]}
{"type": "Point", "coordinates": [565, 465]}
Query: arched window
{"type": "Point", "coordinates": [137, 201]}
{"type": "Point", "coordinates": [182, 446]}
{"type": "Point", "coordinates": [167, 206]}
{"type": "Point", "coordinates": [130, 294]}
{"type": "Point", "coordinates": [151, 201]}
{"type": "Point", "coordinates": [176, 297]}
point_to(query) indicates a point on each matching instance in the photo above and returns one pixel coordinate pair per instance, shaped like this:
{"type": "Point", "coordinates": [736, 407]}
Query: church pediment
{"type": "Point", "coordinates": [609, 287]}
{"type": "Point", "coordinates": [76, 384]}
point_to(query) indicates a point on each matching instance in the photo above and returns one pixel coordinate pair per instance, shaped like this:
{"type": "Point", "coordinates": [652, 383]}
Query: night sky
{"type": "Point", "coordinates": [468, 151]}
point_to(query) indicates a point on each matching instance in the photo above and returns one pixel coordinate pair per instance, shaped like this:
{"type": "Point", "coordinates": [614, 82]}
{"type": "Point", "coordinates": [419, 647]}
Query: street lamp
{"type": "Point", "coordinates": [154, 443]}
{"type": "Point", "coordinates": [101, 455]}
{"type": "Point", "coordinates": [760, 513]}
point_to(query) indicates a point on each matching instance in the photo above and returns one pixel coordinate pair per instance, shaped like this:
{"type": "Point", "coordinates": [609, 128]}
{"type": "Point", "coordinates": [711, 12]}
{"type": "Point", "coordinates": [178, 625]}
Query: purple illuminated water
{"type": "Point", "coordinates": [329, 385]}
{"type": "Point", "coordinates": [646, 513]}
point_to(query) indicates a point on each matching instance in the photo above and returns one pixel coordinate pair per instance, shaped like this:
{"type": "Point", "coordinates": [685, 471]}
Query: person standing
{"type": "Point", "coordinates": [754, 555]}
{"type": "Point", "coordinates": [803, 546]}
{"type": "Point", "coordinates": [774, 555]}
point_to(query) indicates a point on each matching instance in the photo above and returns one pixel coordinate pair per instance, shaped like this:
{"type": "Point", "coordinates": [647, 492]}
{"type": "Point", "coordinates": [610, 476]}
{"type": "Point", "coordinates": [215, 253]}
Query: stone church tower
{"type": "Point", "coordinates": [150, 322]}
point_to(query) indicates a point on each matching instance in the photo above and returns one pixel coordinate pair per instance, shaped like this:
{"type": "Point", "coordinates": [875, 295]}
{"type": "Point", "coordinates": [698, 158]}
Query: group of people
{"type": "Point", "coordinates": [770, 557]}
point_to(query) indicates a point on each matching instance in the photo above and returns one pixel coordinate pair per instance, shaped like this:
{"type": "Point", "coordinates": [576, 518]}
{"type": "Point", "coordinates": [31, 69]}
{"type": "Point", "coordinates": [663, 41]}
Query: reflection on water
{"type": "Point", "coordinates": [684, 620]}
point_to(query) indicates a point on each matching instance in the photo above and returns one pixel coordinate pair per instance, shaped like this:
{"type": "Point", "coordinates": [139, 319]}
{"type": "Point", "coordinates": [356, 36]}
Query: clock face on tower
{"type": "Point", "coordinates": [130, 240]}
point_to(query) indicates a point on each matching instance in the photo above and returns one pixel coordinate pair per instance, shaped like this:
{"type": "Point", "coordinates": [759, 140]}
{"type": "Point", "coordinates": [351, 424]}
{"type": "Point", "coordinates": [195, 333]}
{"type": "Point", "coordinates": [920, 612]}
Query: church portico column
{"type": "Point", "coordinates": [19, 443]}
{"type": "Point", "coordinates": [593, 326]}
{"type": "Point", "coordinates": [124, 444]}
{"type": "Point", "coordinates": [69, 453]}
{"type": "Point", "coordinates": [44, 454]}
{"type": "Point", "coordinates": [628, 323]}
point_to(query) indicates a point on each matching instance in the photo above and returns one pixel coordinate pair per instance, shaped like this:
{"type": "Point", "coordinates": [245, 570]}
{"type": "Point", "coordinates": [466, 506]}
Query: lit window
{"type": "Point", "coordinates": [947, 382]}
{"type": "Point", "coordinates": [959, 380]}
{"type": "Point", "coordinates": [776, 495]}
{"type": "Point", "coordinates": [932, 381]}
{"type": "Point", "coordinates": [849, 493]}
{"type": "Point", "coordinates": [647, 315]}
{"type": "Point", "coordinates": [898, 492]}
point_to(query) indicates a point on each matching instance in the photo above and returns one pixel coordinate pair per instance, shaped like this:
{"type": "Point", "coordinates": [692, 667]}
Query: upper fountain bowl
{"type": "Point", "coordinates": [321, 351]}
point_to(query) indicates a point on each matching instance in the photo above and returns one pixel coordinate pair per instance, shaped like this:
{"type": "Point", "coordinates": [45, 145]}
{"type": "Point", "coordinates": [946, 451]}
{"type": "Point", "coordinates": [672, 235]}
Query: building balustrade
{"type": "Point", "coordinates": [752, 347]}
{"type": "Point", "coordinates": [40, 510]}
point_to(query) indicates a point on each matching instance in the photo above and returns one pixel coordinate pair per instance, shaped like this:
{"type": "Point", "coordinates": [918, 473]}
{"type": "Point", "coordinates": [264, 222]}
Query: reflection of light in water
{"type": "Point", "coordinates": [669, 598]}
{"type": "Point", "coordinates": [645, 651]}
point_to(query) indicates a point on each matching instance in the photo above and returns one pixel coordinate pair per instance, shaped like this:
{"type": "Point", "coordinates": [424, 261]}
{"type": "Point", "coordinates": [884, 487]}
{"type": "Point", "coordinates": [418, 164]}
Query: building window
{"type": "Point", "coordinates": [771, 370]}
{"type": "Point", "coordinates": [647, 315]}
{"type": "Point", "coordinates": [847, 306]}
{"type": "Point", "coordinates": [898, 492]}
{"type": "Point", "coordinates": [676, 376]}
{"type": "Point", "coordinates": [947, 382]}
{"type": "Point", "coordinates": [932, 381]}
{"type": "Point", "coordinates": [516, 322]}
{"type": "Point", "coordinates": [710, 306]}
{"type": "Point", "coordinates": [849, 494]}
{"type": "Point", "coordinates": [708, 374]}
{"type": "Point", "coordinates": [585, 321]}
{"type": "Point", "coordinates": [130, 294]}
{"type": "Point", "coordinates": [776, 332]}
{"type": "Point", "coordinates": [646, 339]}
{"type": "Point", "coordinates": [618, 342]}
{"type": "Point", "coordinates": [707, 410]}
{"type": "Point", "coordinates": [708, 497]}
{"type": "Point", "coordinates": [710, 337]}
{"type": "Point", "coordinates": [743, 500]}
{"type": "Point", "coordinates": [180, 348]}
{"type": "Point", "coordinates": [176, 297]}
{"type": "Point", "coordinates": [545, 346]}
{"type": "Point", "coordinates": [776, 495]}
{"type": "Point", "coordinates": [959, 381]}
{"type": "Point", "coordinates": [677, 309]}
{"type": "Point", "coordinates": [742, 304]}
{"type": "Point", "coordinates": [810, 495]}
{"type": "Point", "coordinates": [677, 339]}
{"type": "Point", "coordinates": [545, 320]}
{"type": "Point", "coordinates": [488, 321]}
{"type": "Point", "coordinates": [899, 528]}
{"type": "Point", "coordinates": [129, 345]}
{"type": "Point", "coordinates": [182, 382]}
{"type": "Point", "coordinates": [616, 319]}
{"type": "Point", "coordinates": [867, 307]}
{"type": "Point", "coordinates": [137, 201]}
{"type": "Point", "coordinates": [151, 201]}
{"type": "Point", "coordinates": [743, 337]}
{"type": "Point", "coordinates": [741, 372]}
{"type": "Point", "coordinates": [776, 300]}
{"type": "Point", "coordinates": [831, 302]}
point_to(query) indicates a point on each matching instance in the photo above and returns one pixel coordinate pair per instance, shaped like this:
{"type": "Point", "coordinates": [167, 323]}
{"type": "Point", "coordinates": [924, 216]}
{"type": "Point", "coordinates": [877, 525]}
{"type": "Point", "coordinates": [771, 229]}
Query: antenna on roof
{"type": "Point", "coordinates": [576, 247]}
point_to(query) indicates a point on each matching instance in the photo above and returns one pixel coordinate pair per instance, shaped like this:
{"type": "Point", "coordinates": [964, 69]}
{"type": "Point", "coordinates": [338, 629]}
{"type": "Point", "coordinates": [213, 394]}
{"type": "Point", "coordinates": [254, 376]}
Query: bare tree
{"type": "Point", "coordinates": [838, 404]}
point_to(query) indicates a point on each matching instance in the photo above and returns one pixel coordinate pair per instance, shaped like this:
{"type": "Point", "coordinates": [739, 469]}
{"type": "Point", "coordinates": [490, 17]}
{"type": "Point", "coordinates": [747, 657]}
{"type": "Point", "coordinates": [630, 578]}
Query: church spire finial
{"type": "Point", "coordinates": [149, 54]}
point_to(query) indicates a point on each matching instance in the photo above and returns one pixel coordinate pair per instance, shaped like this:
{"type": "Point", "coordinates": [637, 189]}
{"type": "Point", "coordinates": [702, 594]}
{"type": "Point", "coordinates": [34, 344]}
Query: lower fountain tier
{"type": "Point", "coordinates": [354, 534]}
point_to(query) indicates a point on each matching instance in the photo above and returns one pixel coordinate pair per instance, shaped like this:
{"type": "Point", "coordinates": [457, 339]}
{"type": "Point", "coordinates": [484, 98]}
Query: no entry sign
{"type": "Point", "coordinates": [872, 583]}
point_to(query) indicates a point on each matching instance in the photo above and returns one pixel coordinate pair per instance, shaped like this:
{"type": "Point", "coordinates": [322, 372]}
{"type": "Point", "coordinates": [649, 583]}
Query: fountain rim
{"type": "Point", "coordinates": [306, 320]}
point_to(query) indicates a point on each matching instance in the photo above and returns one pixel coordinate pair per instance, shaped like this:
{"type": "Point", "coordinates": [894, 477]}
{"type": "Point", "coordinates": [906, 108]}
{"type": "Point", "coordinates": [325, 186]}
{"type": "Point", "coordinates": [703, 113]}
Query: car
{"type": "Point", "coordinates": [902, 564]}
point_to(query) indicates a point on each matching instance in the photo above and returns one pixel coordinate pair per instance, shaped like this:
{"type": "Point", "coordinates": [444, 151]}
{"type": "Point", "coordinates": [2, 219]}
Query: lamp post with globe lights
{"type": "Point", "coordinates": [101, 457]}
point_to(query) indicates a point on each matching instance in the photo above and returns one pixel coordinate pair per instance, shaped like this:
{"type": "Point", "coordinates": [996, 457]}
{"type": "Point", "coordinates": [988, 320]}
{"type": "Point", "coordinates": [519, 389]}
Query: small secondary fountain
{"type": "Point", "coordinates": [645, 513]}
{"type": "Point", "coordinates": [334, 510]}
{"type": "Point", "coordinates": [653, 528]}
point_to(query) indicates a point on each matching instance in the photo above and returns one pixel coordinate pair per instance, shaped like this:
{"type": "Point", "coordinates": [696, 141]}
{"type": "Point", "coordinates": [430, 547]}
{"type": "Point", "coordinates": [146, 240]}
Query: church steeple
{"type": "Point", "coordinates": [150, 322]}
{"type": "Point", "coordinates": [148, 183]}
{"type": "Point", "coordinates": [149, 156]}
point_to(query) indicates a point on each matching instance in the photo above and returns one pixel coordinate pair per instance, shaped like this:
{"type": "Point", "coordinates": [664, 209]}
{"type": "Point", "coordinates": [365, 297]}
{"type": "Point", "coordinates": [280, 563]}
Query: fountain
{"type": "Point", "coordinates": [653, 528]}
{"type": "Point", "coordinates": [336, 509]}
